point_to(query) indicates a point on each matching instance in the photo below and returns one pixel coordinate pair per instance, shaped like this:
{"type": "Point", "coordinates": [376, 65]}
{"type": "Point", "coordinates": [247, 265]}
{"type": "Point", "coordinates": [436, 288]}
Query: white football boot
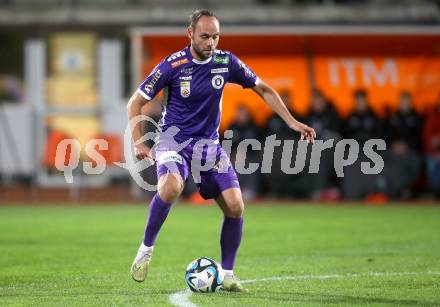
{"type": "Point", "coordinates": [233, 284]}
{"type": "Point", "coordinates": [139, 268]}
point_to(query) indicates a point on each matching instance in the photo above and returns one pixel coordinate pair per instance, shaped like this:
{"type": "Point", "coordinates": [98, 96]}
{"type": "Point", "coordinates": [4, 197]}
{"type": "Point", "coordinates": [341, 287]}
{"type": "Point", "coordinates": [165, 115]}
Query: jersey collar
{"type": "Point", "coordinates": [195, 60]}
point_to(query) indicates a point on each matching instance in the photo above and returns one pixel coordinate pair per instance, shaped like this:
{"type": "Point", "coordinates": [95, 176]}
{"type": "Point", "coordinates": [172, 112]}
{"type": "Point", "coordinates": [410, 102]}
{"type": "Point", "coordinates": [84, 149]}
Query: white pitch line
{"type": "Point", "coordinates": [181, 298]}
{"type": "Point", "coordinates": [301, 277]}
{"type": "Point", "coordinates": [337, 276]}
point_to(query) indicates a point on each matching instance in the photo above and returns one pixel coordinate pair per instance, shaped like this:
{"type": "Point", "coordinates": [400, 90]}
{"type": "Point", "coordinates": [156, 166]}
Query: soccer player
{"type": "Point", "coordinates": [193, 80]}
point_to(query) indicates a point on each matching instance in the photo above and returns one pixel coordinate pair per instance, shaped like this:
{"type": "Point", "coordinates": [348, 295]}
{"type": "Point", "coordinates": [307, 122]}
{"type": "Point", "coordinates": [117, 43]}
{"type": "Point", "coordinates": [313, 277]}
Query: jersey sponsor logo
{"type": "Point", "coordinates": [219, 70]}
{"type": "Point", "coordinates": [247, 71]}
{"type": "Point", "coordinates": [148, 88]}
{"type": "Point", "coordinates": [150, 85]}
{"type": "Point", "coordinates": [176, 55]}
{"type": "Point", "coordinates": [219, 59]}
{"type": "Point", "coordinates": [186, 78]}
{"type": "Point", "coordinates": [185, 89]}
{"type": "Point", "coordinates": [169, 156]}
{"type": "Point", "coordinates": [186, 70]}
{"type": "Point", "coordinates": [217, 82]}
{"type": "Point", "coordinates": [179, 62]}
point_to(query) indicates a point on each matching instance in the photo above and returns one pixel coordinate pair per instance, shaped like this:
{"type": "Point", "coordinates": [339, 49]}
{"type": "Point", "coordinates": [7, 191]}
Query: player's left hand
{"type": "Point", "coordinates": [307, 133]}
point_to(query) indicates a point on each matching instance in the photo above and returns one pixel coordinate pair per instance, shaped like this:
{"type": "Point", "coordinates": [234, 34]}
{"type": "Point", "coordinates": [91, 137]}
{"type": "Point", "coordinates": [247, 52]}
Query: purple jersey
{"type": "Point", "coordinates": [193, 91]}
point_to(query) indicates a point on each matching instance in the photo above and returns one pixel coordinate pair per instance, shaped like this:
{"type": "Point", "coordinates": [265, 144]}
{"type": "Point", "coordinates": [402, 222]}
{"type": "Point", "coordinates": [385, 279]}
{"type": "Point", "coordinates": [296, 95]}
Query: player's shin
{"type": "Point", "coordinates": [230, 239]}
{"type": "Point", "coordinates": [158, 213]}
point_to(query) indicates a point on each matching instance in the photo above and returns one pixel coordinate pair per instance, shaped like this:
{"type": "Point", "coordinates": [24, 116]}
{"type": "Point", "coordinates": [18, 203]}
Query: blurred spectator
{"type": "Point", "coordinates": [328, 125]}
{"type": "Point", "coordinates": [431, 139]}
{"type": "Point", "coordinates": [402, 159]}
{"type": "Point", "coordinates": [362, 125]}
{"type": "Point", "coordinates": [405, 124]}
{"type": "Point", "coordinates": [282, 185]}
{"type": "Point", "coordinates": [402, 169]}
{"type": "Point", "coordinates": [276, 125]}
{"type": "Point", "coordinates": [244, 128]}
{"type": "Point", "coordinates": [323, 117]}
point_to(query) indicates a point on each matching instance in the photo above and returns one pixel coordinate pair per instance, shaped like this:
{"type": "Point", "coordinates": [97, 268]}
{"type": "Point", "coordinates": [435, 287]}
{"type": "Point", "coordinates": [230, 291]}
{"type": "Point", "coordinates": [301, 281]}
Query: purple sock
{"type": "Point", "coordinates": [230, 239]}
{"type": "Point", "coordinates": [156, 217]}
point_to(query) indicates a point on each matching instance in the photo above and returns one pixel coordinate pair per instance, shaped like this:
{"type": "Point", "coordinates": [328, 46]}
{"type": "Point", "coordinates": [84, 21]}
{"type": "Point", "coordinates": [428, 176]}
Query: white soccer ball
{"type": "Point", "coordinates": [204, 275]}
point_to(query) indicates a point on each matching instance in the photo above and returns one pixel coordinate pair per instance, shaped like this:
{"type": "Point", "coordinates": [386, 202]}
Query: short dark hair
{"type": "Point", "coordinates": [196, 15]}
{"type": "Point", "coordinates": [360, 93]}
{"type": "Point", "coordinates": [317, 93]}
{"type": "Point", "coordinates": [405, 94]}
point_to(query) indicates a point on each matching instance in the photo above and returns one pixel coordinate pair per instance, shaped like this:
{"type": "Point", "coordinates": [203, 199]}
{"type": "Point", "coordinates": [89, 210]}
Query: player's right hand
{"type": "Point", "coordinates": [142, 151]}
{"type": "Point", "coordinates": [307, 133]}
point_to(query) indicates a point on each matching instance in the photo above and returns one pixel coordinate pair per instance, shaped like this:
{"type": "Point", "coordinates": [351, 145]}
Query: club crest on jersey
{"type": "Point", "coordinates": [217, 82]}
{"type": "Point", "coordinates": [185, 89]}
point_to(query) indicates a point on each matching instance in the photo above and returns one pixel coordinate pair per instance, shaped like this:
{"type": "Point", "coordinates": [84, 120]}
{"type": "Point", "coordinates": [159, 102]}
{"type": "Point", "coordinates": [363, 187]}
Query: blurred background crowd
{"type": "Point", "coordinates": [411, 159]}
{"type": "Point", "coordinates": [359, 70]}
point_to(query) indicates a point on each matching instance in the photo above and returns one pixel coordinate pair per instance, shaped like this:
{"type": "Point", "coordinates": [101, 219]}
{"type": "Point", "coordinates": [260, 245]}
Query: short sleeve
{"type": "Point", "coordinates": [155, 81]}
{"type": "Point", "coordinates": [240, 73]}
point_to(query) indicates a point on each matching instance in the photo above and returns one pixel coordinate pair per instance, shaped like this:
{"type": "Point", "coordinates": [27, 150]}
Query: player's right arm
{"type": "Point", "coordinates": [146, 91]}
{"type": "Point", "coordinates": [273, 100]}
{"type": "Point", "coordinates": [134, 107]}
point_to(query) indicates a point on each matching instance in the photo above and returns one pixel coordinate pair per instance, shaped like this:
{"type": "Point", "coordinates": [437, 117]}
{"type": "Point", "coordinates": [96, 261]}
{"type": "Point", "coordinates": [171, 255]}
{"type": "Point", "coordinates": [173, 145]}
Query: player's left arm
{"type": "Point", "coordinates": [271, 97]}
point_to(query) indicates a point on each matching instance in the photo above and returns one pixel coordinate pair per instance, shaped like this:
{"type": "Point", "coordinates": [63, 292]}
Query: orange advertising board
{"type": "Point", "coordinates": [384, 78]}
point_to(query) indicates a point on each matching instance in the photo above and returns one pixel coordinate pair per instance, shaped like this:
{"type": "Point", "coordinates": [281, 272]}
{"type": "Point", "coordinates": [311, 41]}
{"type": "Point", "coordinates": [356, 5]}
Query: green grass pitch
{"type": "Point", "coordinates": [317, 255]}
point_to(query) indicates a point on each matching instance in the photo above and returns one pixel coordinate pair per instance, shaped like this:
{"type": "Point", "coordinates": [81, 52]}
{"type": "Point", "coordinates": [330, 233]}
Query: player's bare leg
{"type": "Point", "coordinates": [169, 188]}
{"type": "Point", "coordinates": [231, 203]}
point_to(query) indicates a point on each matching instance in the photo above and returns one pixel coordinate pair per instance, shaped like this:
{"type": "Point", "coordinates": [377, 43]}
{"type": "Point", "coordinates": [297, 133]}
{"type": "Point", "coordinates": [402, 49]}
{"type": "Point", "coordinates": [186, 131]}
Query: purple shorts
{"type": "Point", "coordinates": [208, 163]}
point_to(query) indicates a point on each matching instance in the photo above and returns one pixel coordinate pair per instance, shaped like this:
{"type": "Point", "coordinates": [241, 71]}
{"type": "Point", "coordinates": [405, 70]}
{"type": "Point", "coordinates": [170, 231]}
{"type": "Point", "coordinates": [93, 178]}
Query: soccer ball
{"type": "Point", "coordinates": [204, 275]}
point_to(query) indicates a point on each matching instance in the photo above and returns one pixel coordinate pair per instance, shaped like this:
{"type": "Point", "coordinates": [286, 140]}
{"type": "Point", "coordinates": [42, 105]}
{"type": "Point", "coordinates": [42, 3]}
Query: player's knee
{"type": "Point", "coordinates": [235, 208]}
{"type": "Point", "coordinates": [169, 187]}
{"type": "Point", "coordinates": [169, 193]}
